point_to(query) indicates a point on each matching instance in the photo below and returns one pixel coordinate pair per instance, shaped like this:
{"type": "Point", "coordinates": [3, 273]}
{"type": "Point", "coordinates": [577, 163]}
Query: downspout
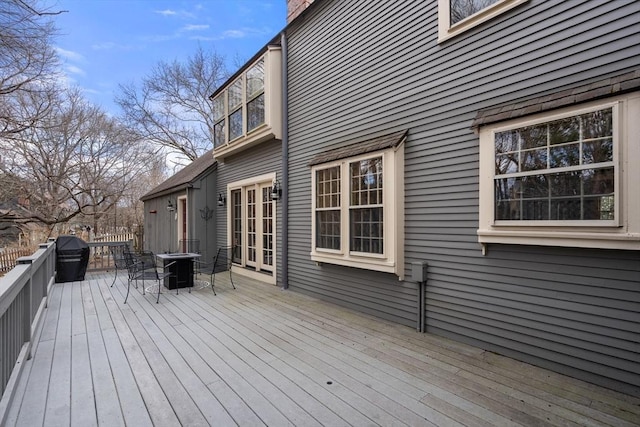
{"type": "Point", "coordinates": [285, 163]}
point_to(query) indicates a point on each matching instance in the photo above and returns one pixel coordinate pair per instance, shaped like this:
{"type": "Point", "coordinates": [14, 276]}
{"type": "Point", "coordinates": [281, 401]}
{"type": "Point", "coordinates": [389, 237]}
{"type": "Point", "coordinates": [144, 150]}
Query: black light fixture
{"type": "Point", "coordinates": [276, 191]}
{"type": "Point", "coordinates": [221, 199]}
{"type": "Point", "coordinates": [170, 206]}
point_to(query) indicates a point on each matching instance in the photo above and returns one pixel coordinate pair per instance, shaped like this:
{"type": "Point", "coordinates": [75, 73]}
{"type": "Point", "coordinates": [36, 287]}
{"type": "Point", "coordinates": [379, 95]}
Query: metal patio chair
{"type": "Point", "coordinates": [118, 253]}
{"type": "Point", "coordinates": [142, 266]}
{"type": "Point", "coordinates": [190, 246]}
{"type": "Point", "coordinates": [221, 262]}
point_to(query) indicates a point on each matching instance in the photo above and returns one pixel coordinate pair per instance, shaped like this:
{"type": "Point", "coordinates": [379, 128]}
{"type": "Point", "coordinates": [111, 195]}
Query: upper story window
{"type": "Point", "coordinates": [462, 9]}
{"type": "Point", "coordinates": [563, 178]}
{"type": "Point", "coordinates": [255, 95]}
{"type": "Point", "coordinates": [457, 16]}
{"type": "Point", "coordinates": [357, 205]}
{"type": "Point", "coordinates": [247, 111]}
{"type": "Point", "coordinates": [236, 110]}
{"type": "Point", "coordinates": [219, 129]}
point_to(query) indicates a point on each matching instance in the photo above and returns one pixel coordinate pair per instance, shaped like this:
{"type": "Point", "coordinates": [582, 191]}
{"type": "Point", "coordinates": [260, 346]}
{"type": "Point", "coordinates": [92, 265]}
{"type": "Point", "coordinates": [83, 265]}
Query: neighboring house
{"type": "Point", "coordinates": [179, 214]}
{"type": "Point", "coordinates": [28, 234]}
{"type": "Point", "coordinates": [499, 146]}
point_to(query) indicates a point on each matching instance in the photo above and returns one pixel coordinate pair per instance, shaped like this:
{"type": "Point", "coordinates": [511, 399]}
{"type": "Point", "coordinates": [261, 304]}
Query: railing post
{"type": "Point", "coordinates": [27, 314]}
{"type": "Point", "coordinates": [49, 263]}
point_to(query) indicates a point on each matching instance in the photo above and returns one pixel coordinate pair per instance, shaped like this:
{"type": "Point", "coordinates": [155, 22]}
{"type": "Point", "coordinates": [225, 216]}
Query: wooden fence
{"type": "Point", "coordinates": [99, 253]}
{"type": "Point", "coordinates": [122, 237]}
{"type": "Point", "coordinates": [8, 258]}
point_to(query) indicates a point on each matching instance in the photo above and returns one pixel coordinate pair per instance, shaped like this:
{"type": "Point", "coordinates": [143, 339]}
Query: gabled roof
{"type": "Point", "coordinates": [183, 178]}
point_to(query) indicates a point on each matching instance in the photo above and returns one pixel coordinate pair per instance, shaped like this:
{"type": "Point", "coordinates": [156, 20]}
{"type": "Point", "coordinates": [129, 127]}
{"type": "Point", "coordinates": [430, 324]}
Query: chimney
{"type": "Point", "coordinates": [295, 8]}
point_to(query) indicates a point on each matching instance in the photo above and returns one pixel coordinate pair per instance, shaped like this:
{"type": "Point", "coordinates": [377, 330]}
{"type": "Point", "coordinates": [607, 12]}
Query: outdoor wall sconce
{"type": "Point", "coordinates": [170, 206]}
{"type": "Point", "coordinates": [276, 191]}
{"type": "Point", "coordinates": [221, 200]}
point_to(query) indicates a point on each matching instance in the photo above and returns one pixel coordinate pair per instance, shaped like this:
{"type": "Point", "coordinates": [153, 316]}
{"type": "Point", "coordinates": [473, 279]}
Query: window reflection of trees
{"type": "Point", "coordinates": [461, 9]}
{"type": "Point", "coordinates": [255, 96]}
{"type": "Point", "coordinates": [581, 193]}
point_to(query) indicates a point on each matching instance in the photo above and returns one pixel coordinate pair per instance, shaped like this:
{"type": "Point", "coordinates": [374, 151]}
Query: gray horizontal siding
{"type": "Point", "coordinates": [363, 69]}
{"type": "Point", "coordinates": [259, 160]}
{"type": "Point", "coordinates": [201, 197]}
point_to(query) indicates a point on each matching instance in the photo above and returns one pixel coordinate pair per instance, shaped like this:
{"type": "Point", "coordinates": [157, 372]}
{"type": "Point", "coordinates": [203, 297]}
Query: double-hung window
{"type": "Point", "coordinates": [564, 178]}
{"type": "Point", "coordinates": [457, 16]}
{"type": "Point", "coordinates": [358, 211]}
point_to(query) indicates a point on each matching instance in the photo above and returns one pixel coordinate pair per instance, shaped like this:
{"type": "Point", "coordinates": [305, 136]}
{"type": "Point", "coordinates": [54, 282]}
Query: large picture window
{"type": "Point", "coordinates": [561, 170]}
{"type": "Point", "coordinates": [358, 211]}
{"type": "Point", "coordinates": [560, 179]}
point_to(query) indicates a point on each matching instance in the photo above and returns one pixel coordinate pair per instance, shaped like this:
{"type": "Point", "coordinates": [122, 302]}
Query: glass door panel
{"type": "Point", "coordinates": [251, 227]}
{"type": "Point", "coordinates": [236, 225]}
{"type": "Point", "coordinates": [267, 228]}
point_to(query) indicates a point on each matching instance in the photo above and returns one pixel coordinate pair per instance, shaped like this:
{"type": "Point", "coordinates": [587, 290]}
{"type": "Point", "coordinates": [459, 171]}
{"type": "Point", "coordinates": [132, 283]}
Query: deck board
{"type": "Point", "coordinates": [261, 356]}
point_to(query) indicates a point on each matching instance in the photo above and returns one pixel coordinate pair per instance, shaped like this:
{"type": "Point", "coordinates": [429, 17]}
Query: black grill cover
{"type": "Point", "coordinates": [72, 258]}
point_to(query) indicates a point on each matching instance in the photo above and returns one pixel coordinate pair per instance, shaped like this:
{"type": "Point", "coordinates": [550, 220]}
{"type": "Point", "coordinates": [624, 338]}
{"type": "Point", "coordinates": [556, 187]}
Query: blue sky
{"type": "Point", "coordinates": [106, 42]}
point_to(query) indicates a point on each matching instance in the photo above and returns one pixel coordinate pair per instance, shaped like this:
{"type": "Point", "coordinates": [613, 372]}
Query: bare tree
{"type": "Point", "coordinates": [171, 106]}
{"type": "Point", "coordinates": [76, 162]}
{"type": "Point", "coordinates": [28, 62]}
{"type": "Point", "coordinates": [128, 213]}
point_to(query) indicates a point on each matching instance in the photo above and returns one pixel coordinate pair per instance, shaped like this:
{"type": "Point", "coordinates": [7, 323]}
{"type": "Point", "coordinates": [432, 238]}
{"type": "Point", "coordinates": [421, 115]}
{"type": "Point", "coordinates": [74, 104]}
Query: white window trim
{"type": "Point", "coordinates": [446, 30]}
{"type": "Point", "coordinates": [392, 258]}
{"type": "Point", "coordinates": [623, 233]}
{"type": "Point", "coordinates": [242, 185]}
{"type": "Point", "coordinates": [179, 215]}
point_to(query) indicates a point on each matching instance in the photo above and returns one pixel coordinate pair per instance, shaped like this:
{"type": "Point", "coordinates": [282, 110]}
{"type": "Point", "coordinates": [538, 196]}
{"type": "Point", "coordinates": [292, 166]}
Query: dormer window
{"type": "Point", "coordinates": [247, 111]}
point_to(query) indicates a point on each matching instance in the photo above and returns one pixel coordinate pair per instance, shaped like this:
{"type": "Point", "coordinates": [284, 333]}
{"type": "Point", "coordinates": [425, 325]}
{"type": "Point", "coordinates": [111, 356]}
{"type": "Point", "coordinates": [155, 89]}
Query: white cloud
{"type": "Point", "coordinates": [111, 46]}
{"type": "Point", "coordinates": [160, 38]}
{"type": "Point", "coordinates": [179, 13]}
{"type": "Point", "coordinates": [69, 54]}
{"type": "Point", "coordinates": [92, 91]}
{"type": "Point", "coordinates": [234, 34]}
{"type": "Point", "coordinates": [194, 27]}
{"type": "Point", "coordinates": [66, 81]}
{"type": "Point", "coordinates": [103, 46]}
{"type": "Point", "coordinates": [75, 70]}
{"type": "Point", "coordinates": [167, 12]}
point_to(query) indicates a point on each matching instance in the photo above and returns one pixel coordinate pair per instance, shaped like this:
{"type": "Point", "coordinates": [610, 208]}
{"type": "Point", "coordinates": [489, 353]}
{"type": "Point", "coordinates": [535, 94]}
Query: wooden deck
{"type": "Point", "coordinates": [261, 356]}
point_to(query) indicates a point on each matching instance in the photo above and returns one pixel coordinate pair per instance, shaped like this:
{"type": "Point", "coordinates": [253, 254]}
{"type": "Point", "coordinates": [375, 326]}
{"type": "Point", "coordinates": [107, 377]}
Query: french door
{"type": "Point", "coordinates": [252, 226]}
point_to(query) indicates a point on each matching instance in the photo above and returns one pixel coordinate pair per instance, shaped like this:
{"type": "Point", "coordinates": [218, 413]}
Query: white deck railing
{"type": "Point", "coordinates": [23, 299]}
